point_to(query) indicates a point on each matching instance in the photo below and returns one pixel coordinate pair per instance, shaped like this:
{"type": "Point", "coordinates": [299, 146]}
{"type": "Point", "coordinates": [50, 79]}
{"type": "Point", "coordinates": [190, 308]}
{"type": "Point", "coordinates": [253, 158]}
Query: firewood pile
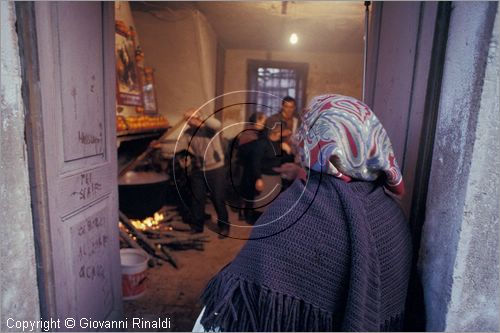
{"type": "Point", "coordinates": [159, 235]}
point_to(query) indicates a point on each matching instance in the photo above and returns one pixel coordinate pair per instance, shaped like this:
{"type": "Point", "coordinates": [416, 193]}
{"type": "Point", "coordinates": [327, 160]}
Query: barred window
{"type": "Point", "coordinates": [274, 81]}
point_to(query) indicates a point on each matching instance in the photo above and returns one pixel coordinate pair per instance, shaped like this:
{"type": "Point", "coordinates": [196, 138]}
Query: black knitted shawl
{"type": "Point", "coordinates": [325, 256]}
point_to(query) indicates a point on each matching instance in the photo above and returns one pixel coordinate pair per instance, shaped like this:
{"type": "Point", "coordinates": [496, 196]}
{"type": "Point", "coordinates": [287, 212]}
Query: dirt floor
{"type": "Point", "coordinates": [175, 293]}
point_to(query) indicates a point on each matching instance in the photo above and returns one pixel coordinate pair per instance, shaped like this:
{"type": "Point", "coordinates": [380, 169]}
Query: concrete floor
{"type": "Point", "coordinates": [175, 293]}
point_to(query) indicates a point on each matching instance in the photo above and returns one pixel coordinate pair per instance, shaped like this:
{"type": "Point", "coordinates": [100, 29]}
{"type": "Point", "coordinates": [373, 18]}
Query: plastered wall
{"type": "Point", "coordinates": [340, 73]}
{"type": "Point", "coordinates": [19, 291]}
{"type": "Point", "coordinates": [459, 249]}
{"type": "Point", "coordinates": [181, 46]}
{"type": "Point", "coordinates": [474, 298]}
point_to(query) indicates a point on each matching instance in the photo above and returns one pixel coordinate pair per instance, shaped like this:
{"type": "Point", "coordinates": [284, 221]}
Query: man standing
{"type": "Point", "coordinates": [208, 173]}
{"type": "Point", "coordinates": [288, 122]}
{"type": "Point", "coordinates": [285, 118]}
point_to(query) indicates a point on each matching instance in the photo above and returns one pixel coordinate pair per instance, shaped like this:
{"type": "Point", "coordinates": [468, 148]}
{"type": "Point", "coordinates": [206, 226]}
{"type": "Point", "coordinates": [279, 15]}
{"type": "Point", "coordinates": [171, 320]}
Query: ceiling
{"type": "Point", "coordinates": [322, 26]}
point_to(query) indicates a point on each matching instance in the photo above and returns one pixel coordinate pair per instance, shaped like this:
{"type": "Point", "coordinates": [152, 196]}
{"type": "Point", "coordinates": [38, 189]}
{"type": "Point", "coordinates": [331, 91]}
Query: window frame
{"type": "Point", "coordinates": [301, 69]}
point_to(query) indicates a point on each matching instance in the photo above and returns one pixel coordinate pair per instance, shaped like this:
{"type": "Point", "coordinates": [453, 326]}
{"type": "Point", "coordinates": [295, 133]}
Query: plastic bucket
{"type": "Point", "coordinates": [134, 265]}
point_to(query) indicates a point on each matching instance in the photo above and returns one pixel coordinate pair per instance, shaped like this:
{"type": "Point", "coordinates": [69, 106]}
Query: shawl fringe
{"type": "Point", "coordinates": [233, 304]}
{"type": "Point", "coordinates": [393, 324]}
{"type": "Point", "coordinates": [236, 305]}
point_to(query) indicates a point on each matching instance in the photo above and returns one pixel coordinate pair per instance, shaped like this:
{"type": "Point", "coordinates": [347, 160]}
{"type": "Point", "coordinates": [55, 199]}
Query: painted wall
{"type": "Point", "coordinates": [328, 72]}
{"type": "Point", "coordinates": [181, 46]}
{"type": "Point", "coordinates": [459, 250]}
{"type": "Point", "coordinates": [19, 291]}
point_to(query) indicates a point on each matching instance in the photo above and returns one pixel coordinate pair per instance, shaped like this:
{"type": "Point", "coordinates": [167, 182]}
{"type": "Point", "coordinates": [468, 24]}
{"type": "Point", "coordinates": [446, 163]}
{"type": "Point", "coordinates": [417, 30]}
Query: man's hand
{"type": "Point", "coordinates": [192, 118]}
{"type": "Point", "coordinates": [155, 144]}
{"type": "Point", "coordinates": [286, 133]}
{"type": "Point", "coordinates": [286, 147]}
{"type": "Point", "coordinates": [259, 185]}
{"type": "Point", "coordinates": [290, 171]}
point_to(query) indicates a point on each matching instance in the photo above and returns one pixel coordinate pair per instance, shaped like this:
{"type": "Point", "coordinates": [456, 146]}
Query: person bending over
{"type": "Point", "coordinates": [208, 173]}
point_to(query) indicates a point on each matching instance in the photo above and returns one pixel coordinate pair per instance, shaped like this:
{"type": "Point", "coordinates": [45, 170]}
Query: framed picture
{"type": "Point", "coordinates": [149, 91]}
{"type": "Point", "coordinates": [128, 81]}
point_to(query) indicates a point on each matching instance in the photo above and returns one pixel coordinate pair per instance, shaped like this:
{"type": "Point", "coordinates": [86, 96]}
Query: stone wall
{"type": "Point", "coordinates": [459, 250]}
{"type": "Point", "coordinates": [19, 291]}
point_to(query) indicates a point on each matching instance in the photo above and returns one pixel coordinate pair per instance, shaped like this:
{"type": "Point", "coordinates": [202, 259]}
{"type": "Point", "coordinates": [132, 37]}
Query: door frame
{"type": "Point", "coordinates": [32, 99]}
{"type": "Point", "coordinates": [34, 135]}
{"type": "Point", "coordinates": [430, 90]}
{"type": "Point", "coordinates": [415, 314]}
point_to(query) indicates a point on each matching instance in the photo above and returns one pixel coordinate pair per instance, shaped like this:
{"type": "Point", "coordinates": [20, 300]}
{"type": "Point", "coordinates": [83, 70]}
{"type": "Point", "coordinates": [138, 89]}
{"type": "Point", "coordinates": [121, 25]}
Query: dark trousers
{"type": "Point", "coordinates": [247, 187]}
{"type": "Point", "coordinates": [212, 181]}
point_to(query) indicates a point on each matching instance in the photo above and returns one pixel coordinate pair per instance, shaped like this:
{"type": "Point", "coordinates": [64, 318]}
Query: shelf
{"type": "Point", "coordinates": [129, 135]}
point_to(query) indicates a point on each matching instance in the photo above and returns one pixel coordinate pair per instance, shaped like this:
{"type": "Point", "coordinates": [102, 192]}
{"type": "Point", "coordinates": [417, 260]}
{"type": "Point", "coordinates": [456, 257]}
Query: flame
{"type": "Point", "coordinates": [151, 223]}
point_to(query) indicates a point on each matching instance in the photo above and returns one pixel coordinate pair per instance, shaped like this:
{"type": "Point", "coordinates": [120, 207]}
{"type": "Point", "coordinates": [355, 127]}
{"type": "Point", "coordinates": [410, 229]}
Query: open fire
{"type": "Point", "coordinates": [158, 234]}
{"type": "Point", "coordinates": [152, 223]}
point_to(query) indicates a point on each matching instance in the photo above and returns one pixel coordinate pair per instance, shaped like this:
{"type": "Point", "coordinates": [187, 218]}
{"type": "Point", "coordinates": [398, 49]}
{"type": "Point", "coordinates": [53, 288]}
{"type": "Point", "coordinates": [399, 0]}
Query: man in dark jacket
{"type": "Point", "coordinates": [285, 118]}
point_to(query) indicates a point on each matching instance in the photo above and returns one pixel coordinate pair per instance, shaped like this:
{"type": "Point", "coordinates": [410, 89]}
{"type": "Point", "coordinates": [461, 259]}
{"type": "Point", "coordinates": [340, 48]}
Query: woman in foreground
{"type": "Point", "coordinates": [333, 252]}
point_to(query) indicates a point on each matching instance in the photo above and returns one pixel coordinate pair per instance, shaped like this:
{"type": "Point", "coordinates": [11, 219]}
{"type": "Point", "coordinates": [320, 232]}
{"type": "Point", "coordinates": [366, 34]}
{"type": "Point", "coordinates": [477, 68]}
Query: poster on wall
{"type": "Point", "coordinates": [149, 91]}
{"type": "Point", "coordinates": [129, 87]}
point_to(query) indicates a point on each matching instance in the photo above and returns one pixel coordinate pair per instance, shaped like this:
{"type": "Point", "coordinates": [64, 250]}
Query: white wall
{"type": "Point", "coordinates": [328, 73]}
{"type": "Point", "coordinates": [181, 46]}
{"type": "Point", "coordinates": [19, 290]}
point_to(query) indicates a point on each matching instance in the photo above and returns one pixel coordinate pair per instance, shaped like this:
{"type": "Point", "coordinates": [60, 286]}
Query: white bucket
{"type": "Point", "coordinates": [134, 265]}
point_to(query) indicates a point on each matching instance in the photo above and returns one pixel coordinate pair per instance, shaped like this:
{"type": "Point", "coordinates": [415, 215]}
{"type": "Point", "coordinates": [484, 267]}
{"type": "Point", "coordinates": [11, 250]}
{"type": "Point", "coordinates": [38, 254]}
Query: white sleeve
{"type": "Point", "coordinates": [198, 327]}
{"type": "Point", "coordinates": [213, 123]}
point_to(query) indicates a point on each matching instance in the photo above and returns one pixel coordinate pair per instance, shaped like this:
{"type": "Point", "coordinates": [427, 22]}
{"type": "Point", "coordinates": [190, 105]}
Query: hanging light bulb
{"type": "Point", "coordinates": [294, 38]}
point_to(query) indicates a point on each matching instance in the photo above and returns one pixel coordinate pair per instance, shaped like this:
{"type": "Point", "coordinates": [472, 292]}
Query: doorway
{"type": "Point", "coordinates": [92, 169]}
{"type": "Point", "coordinates": [68, 89]}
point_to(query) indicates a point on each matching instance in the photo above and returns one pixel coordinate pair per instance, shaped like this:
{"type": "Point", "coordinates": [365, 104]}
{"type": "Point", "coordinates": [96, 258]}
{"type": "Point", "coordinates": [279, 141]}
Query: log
{"type": "Point", "coordinates": [148, 151]}
{"type": "Point", "coordinates": [150, 247]}
{"type": "Point", "coordinates": [125, 236]}
{"type": "Point", "coordinates": [185, 246]}
{"type": "Point", "coordinates": [171, 259]}
{"type": "Point", "coordinates": [179, 226]}
{"type": "Point", "coordinates": [166, 240]}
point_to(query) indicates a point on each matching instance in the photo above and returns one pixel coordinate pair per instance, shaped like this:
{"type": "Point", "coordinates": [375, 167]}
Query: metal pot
{"type": "Point", "coordinates": [141, 194]}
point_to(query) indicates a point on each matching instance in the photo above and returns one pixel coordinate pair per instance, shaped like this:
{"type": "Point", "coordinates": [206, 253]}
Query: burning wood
{"type": "Point", "coordinates": [159, 234]}
{"type": "Point", "coordinates": [152, 223]}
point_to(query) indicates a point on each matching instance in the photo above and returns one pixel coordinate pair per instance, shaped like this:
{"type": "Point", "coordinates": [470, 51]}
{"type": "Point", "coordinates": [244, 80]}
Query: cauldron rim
{"type": "Point", "coordinates": [133, 178]}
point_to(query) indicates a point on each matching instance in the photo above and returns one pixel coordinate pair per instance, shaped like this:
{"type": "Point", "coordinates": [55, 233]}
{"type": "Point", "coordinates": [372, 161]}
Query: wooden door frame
{"type": "Point", "coordinates": [34, 135]}
{"type": "Point", "coordinates": [32, 99]}
{"type": "Point", "coordinates": [415, 314]}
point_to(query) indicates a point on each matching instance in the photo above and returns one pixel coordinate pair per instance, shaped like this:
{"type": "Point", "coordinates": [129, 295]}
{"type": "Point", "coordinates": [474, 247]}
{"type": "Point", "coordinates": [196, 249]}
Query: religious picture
{"type": "Point", "coordinates": [128, 81]}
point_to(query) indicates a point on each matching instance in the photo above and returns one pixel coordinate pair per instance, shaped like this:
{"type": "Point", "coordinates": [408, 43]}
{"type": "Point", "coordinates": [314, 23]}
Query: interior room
{"type": "Point", "coordinates": [249, 166]}
{"type": "Point", "coordinates": [212, 55]}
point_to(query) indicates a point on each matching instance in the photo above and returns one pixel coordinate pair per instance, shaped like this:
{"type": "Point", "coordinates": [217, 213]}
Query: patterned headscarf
{"type": "Point", "coordinates": [341, 136]}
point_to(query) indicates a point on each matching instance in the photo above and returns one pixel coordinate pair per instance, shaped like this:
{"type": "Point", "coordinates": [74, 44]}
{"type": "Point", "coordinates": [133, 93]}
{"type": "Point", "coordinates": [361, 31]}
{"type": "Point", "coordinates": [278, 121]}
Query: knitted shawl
{"type": "Point", "coordinates": [326, 256]}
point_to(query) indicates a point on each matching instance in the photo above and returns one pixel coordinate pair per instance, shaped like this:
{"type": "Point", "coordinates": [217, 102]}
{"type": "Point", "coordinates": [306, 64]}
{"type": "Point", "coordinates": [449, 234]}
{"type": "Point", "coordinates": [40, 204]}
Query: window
{"type": "Point", "coordinates": [273, 81]}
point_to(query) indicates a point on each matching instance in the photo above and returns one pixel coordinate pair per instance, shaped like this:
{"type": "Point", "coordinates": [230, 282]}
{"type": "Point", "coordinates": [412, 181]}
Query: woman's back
{"type": "Point", "coordinates": [326, 255]}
